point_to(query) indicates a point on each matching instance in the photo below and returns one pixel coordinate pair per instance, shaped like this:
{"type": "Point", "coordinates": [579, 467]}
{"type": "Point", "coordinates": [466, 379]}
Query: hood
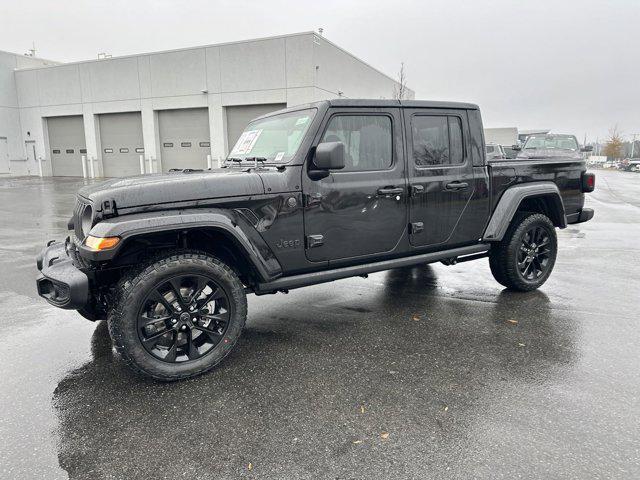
{"type": "Point", "coordinates": [545, 154]}
{"type": "Point", "coordinates": [174, 187]}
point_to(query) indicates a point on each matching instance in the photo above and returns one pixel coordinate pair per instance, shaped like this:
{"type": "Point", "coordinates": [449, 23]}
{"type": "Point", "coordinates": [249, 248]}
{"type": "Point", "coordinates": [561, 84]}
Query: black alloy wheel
{"type": "Point", "coordinates": [183, 318]}
{"type": "Point", "coordinates": [534, 254]}
{"type": "Point", "coordinates": [524, 258]}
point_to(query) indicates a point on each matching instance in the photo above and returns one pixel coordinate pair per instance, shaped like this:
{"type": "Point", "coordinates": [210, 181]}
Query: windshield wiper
{"type": "Point", "coordinates": [256, 160]}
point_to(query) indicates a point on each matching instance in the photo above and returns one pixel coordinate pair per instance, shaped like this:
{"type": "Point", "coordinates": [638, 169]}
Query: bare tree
{"type": "Point", "coordinates": [400, 90]}
{"type": "Point", "coordinates": [613, 147]}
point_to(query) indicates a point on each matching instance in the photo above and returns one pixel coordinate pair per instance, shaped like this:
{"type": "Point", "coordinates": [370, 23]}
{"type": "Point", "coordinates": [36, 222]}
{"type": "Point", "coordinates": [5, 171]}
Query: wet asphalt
{"type": "Point", "coordinates": [429, 372]}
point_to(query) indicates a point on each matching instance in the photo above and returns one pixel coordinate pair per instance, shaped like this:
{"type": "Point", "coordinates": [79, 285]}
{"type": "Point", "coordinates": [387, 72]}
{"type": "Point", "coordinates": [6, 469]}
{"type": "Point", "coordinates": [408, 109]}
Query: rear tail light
{"type": "Point", "coordinates": [588, 182]}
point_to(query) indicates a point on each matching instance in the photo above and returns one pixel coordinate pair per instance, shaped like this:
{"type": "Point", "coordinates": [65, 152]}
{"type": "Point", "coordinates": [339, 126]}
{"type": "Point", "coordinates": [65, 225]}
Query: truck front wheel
{"type": "Point", "coordinates": [179, 317]}
{"type": "Point", "coordinates": [525, 257]}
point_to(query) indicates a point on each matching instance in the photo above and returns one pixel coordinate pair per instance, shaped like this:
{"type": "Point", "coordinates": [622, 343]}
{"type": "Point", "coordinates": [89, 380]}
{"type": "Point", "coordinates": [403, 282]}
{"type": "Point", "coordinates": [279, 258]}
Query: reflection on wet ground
{"type": "Point", "coordinates": [466, 379]}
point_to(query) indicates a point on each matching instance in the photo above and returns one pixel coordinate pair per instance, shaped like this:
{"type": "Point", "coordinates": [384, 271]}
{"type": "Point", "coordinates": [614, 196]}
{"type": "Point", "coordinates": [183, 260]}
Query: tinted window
{"type": "Point", "coordinates": [437, 140]}
{"type": "Point", "coordinates": [476, 137]}
{"type": "Point", "coordinates": [430, 140]}
{"type": "Point", "coordinates": [367, 140]}
{"type": "Point", "coordinates": [455, 140]}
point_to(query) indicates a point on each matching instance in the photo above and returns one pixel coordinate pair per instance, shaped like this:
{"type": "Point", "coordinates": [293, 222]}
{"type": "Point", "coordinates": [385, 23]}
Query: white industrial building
{"type": "Point", "coordinates": [174, 107]}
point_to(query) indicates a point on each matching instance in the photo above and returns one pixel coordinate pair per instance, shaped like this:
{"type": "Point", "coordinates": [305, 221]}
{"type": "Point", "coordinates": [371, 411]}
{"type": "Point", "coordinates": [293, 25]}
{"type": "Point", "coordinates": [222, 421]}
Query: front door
{"type": "Point", "coordinates": [441, 174]}
{"type": "Point", "coordinates": [361, 210]}
{"type": "Point", "coordinates": [30, 148]}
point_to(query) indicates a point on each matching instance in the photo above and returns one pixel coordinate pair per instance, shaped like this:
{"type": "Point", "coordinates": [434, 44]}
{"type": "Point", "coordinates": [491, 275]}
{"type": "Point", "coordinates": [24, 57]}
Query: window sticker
{"type": "Point", "coordinates": [246, 142]}
{"type": "Point", "coordinates": [302, 121]}
{"type": "Point", "coordinates": [279, 156]}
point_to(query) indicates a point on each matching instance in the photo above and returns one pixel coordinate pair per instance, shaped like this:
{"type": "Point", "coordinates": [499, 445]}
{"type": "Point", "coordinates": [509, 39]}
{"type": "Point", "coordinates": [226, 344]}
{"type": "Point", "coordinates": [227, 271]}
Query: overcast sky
{"type": "Point", "coordinates": [569, 65]}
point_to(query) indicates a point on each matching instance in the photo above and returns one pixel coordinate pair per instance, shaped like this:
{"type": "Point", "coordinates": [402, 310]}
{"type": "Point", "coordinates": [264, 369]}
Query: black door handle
{"type": "Point", "coordinates": [390, 191]}
{"type": "Point", "coordinates": [453, 186]}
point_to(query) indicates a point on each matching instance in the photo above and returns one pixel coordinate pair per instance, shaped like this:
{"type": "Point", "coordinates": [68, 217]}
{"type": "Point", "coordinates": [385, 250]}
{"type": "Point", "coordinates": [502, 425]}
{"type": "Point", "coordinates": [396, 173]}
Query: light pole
{"type": "Point", "coordinates": [633, 143]}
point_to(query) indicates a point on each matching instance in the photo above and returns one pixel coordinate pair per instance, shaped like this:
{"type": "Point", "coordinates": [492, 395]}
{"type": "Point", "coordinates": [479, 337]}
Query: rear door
{"type": "Point", "coordinates": [441, 174]}
{"type": "Point", "coordinates": [360, 211]}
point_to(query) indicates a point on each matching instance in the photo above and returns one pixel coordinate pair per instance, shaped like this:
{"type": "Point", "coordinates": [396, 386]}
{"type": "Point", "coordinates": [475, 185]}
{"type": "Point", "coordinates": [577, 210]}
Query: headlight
{"type": "Point", "coordinates": [86, 220]}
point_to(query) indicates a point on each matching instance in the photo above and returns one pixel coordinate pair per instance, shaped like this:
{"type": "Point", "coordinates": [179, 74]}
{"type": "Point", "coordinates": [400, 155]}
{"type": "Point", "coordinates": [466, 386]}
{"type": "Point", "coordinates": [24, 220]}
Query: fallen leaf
{"type": "Point", "coordinates": [361, 408]}
{"type": "Point", "coordinates": [250, 466]}
{"type": "Point", "coordinates": [384, 435]}
{"type": "Point", "coordinates": [356, 442]}
{"type": "Point", "coordinates": [415, 318]}
{"type": "Point", "coordinates": [513, 322]}
{"type": "Point", "coordinates": [521, 344]}
{"type": "Point", "coordinates": [446, 407]}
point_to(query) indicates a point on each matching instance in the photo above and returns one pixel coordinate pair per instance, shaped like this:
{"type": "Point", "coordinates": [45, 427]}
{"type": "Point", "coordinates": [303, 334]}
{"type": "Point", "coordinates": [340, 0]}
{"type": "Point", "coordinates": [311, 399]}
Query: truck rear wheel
{"type": "Point", "coordinates": [525, 257]}
{"type": "Point", "coordinates": [179, 317]}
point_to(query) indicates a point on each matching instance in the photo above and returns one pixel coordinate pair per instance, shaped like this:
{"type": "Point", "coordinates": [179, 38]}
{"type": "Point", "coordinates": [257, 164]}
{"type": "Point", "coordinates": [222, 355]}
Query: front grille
{"type": "Point", "coordinates": [81, 206]}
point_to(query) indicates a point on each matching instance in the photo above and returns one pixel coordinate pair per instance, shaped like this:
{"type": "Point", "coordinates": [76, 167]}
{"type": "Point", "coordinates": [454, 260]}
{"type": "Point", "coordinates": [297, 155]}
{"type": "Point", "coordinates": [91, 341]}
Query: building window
{"type": "Point", "coordinates": [185, 144]}
{"type": "Point", "coordinates": [139, 150]}
{"type": "Point", "coordinates": [167, 145]}
{"type": "Point", "coordinates": [56, 152]}
{"type": "Point", "coordinates": [108, 150]}
{"type": "Point", "coordinates": [367, 141]}
{"type": "Point", "coordinates": [124, 150]}
{"type": "Point", "coordinates": [69, 150]}
{"type": "Point", "coordinates": [205, 144]}
{"type": "Point", "coordinates": [83, 150]}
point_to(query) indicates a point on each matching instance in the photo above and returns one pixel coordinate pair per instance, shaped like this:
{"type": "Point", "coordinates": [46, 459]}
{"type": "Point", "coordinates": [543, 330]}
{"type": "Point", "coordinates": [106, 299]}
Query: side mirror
{"type": "Point", "coordinates": [587, 148]}
{"type": "Point", "coordinates": [329, 156]}
{"type": "Point", "coordinates": [517, 148]}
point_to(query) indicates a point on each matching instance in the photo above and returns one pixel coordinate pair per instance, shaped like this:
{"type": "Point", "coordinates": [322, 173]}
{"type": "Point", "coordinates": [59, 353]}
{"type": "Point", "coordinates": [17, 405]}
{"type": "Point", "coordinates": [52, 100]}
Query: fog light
{"type": "Point", "coordinates": [99, 243]}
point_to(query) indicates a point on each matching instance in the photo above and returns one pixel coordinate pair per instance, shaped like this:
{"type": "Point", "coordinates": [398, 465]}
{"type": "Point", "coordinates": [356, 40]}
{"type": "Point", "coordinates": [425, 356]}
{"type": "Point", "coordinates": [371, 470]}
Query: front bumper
{"type": "Point", "coordinates": [60, 282]}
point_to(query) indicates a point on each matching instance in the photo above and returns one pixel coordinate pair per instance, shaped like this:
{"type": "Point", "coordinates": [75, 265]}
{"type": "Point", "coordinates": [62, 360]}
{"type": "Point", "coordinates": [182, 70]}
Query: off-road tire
{"type": "Point", "coordinates": [131, 292]}
{"type": "Point", "coordinates": [503, 257]}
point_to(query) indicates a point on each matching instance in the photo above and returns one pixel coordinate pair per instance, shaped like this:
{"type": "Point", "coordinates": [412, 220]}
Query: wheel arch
{"type": "Point", "coordinates": [540, 197]}
{"type": "Point", "coordinates": [223, 233]}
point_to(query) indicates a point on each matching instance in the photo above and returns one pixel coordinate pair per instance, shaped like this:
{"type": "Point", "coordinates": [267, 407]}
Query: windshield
{"type": "Point", "coordinates": [273, 139]}
{"type": "Point", "coordinates": [544, 142]}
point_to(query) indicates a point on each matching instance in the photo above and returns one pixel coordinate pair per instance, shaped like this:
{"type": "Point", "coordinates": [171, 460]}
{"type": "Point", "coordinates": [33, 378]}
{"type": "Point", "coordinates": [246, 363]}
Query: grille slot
{"type": "Point", "coordinates": [81, 206]}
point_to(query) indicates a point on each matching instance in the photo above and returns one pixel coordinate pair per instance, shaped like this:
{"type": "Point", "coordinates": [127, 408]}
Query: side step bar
{"type": "Point", "coordinates": [306, 279]}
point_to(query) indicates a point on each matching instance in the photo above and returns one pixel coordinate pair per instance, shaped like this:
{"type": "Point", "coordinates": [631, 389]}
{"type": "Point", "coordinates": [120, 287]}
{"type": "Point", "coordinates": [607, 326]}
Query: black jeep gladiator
{"type": "Point", "coordinates": [309, 194]}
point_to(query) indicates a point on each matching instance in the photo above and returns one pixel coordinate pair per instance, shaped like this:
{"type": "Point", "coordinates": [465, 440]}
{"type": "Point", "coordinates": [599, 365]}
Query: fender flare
{"type": "Point", "coordinates": [230, 223]}
{"type": "Point", "coordinates": [510, 201]}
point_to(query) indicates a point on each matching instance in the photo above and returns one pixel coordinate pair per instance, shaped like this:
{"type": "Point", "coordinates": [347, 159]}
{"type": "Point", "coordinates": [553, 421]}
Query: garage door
{"type": "Point", "coordinates": [239, 116]}
{"type": "Point", "coordinates": [67, 145]}
{"type": "Point", "coordinates": [184, 138]}
{"type": "Point", "coordinates": [121, 143]}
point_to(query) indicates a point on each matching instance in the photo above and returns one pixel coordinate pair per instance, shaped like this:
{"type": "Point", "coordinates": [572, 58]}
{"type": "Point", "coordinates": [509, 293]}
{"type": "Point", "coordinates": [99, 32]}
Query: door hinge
{"type": "Point", "coordinates": [315, 241]}
{"type": "Point", "coordinates": [416, 227]}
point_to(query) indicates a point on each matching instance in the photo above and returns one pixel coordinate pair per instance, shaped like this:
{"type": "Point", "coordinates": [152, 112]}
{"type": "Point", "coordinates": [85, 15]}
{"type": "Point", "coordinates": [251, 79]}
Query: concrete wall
{"type": "Point", "coordinates": [10, 113]}
{"type": "Point", "coordinates": [291, 69]}
{"type": "Point", "coordinates": [339, 73]}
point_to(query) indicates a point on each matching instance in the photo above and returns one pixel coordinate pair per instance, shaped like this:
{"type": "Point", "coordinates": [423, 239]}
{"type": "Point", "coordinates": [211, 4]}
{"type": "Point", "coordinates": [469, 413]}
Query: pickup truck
{"type": "Point", "coordinates": [308, 194]}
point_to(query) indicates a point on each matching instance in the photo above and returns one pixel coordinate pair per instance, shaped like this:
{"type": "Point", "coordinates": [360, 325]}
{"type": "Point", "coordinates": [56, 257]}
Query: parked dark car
{"type": "Point", "coordinates": [545, 146]}
{"type": "Point", "coordinates": [309, 194]}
